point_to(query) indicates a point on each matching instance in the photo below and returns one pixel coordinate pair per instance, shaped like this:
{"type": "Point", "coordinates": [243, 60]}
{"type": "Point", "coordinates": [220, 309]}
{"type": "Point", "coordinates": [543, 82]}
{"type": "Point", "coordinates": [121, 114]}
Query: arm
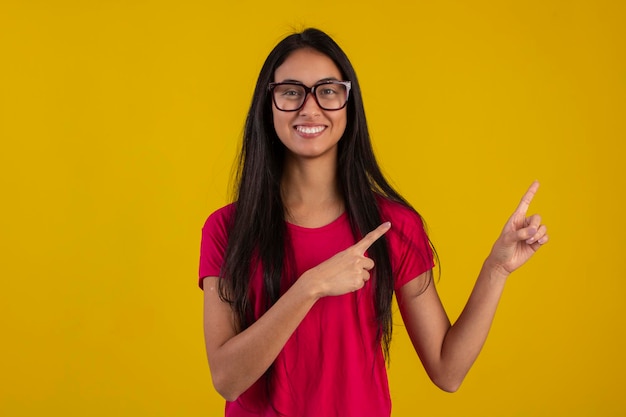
{"type": "Point", "coordinates": [448, 351]}
{"type": "Point", "coordinates": [238, 359]}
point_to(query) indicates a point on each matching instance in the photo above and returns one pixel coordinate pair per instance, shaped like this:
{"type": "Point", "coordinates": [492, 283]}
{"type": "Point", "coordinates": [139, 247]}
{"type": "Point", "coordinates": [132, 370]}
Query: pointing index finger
{"type": "Point", "coordinates": [528, 197]}
{"type": "Point", "coordinates": [364, 244]}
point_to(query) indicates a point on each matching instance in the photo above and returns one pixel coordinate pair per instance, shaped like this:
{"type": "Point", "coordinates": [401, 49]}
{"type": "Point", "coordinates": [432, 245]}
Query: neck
{"type": "Point", "coordinates": [311, 192]}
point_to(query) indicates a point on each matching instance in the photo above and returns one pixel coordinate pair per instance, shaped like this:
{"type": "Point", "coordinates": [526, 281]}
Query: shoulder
{"type": "Point", "coordinates": [220, 219]}
{"type": "Point", "coordinates": [218, 225]}
{"type": "Point", "coordinates": [215, 241]}
{"type": "Point", "coordinates": [409, 246]}
{"type": "Point", "coordinates": [408, 230]}
{"type": "Point", "coordinates": [398, 214]}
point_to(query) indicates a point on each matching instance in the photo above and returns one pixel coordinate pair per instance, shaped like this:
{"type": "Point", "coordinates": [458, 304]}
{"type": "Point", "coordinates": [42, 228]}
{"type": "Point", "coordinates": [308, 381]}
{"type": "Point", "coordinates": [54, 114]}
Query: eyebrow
{"type": "Point", "coordinates": [290, 80]}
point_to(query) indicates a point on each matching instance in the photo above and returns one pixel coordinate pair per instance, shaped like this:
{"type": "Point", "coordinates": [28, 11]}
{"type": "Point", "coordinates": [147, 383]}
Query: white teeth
{"type": "Point", "coordinates": [310, 130]}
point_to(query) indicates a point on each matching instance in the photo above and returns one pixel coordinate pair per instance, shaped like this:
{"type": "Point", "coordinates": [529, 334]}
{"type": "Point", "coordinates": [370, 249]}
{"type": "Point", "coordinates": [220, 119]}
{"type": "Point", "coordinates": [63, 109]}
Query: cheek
{"type": "Point", "coordinates": [275, 118]}
{"type": "Point", "coordinates": [281, 123]}
{"type": "Point", "coordinates": [341, 122]}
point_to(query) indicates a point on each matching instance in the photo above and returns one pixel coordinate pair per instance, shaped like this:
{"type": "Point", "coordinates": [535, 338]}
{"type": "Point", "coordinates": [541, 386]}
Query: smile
{"type": "Point", "coordinates": [310, 130]}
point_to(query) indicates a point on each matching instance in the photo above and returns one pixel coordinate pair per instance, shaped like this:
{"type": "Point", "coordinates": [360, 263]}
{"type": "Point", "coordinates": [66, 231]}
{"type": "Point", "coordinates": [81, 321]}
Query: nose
{"type": "Point", "coordinates": [310, 105]}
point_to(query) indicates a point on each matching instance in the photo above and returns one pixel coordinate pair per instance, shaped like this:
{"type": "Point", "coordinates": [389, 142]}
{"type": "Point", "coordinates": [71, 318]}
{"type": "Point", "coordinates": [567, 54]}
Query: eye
{"type": "Point", "coordinates": [289, 91]}
{"type": "Point", "coordinates": [328, 90]}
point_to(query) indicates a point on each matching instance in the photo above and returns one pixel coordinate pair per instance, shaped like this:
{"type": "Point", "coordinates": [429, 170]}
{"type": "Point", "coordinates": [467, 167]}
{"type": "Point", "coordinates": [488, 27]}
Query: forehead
{"type": "Point", "coordinates": [307, 66]}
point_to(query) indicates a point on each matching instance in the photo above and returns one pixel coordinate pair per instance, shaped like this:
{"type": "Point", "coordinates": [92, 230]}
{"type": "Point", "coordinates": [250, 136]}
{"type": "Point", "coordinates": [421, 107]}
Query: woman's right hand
{"type": "Point", "coordinates": [348, 270]}
{"type": "Point", "coordinates": [237, 359]}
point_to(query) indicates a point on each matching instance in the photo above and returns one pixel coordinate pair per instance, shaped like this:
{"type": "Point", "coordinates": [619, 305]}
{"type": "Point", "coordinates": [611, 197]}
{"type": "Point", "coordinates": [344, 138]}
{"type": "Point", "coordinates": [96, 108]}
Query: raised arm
{"type": "Point", "coordinates": [448, 351]}
{"type": "Point", "coordinates": [238, 359]}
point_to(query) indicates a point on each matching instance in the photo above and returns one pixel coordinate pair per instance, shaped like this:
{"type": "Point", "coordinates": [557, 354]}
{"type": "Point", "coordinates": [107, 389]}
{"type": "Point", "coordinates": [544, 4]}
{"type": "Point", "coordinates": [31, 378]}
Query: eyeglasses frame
{"type": "Point", "coordinates": [311, 90]}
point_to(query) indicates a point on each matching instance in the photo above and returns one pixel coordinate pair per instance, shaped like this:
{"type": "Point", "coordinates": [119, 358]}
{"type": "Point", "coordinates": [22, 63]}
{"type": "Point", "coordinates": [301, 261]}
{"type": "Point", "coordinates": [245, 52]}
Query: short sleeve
{"type": "Point", "coordinates": [409, 246]}
{"type": "Point", "coordinates": [214, 242]}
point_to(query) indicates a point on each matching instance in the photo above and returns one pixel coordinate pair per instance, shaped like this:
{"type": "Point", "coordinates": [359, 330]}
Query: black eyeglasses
{"type": "Point", "coordinates": [329, 95]}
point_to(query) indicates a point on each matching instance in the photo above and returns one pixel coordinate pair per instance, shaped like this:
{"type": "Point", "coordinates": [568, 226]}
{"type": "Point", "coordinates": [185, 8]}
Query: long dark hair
{"type": "Point", "coordinates": [258, 231]}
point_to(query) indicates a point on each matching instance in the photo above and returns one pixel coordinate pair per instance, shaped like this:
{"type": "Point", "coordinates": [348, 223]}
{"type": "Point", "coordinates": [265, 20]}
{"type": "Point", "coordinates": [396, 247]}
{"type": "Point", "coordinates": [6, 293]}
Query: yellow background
{"type": "Point", "coordinates": [119, 121]}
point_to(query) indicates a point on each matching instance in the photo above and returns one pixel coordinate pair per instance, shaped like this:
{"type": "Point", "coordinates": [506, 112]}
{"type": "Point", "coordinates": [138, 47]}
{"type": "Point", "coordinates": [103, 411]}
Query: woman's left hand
{"type": "Point", "coordinates": [521, 237]}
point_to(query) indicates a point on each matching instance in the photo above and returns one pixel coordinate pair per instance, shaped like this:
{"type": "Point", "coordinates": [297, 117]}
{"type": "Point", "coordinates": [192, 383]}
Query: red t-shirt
{"type": "Point", "coordinates": [333, 363]}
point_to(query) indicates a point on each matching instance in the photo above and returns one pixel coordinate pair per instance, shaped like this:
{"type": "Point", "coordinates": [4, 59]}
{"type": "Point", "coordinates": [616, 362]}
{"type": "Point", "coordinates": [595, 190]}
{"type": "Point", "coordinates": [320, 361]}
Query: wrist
{"type": "Point", "coordinates": [308, 286]}
{"type": "Point", "coordinates": [495, 269]}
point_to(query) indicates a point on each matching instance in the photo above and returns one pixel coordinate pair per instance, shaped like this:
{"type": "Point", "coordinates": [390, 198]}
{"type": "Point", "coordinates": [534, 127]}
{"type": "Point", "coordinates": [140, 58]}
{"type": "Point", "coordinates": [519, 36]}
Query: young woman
{"type": "Point", "coordinates": [299, 272]}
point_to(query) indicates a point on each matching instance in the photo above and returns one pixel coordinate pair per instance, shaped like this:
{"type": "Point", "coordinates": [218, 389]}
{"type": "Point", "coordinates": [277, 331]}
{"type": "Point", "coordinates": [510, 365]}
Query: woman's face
{"type": "Point", "coordinates": [309, 132]}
